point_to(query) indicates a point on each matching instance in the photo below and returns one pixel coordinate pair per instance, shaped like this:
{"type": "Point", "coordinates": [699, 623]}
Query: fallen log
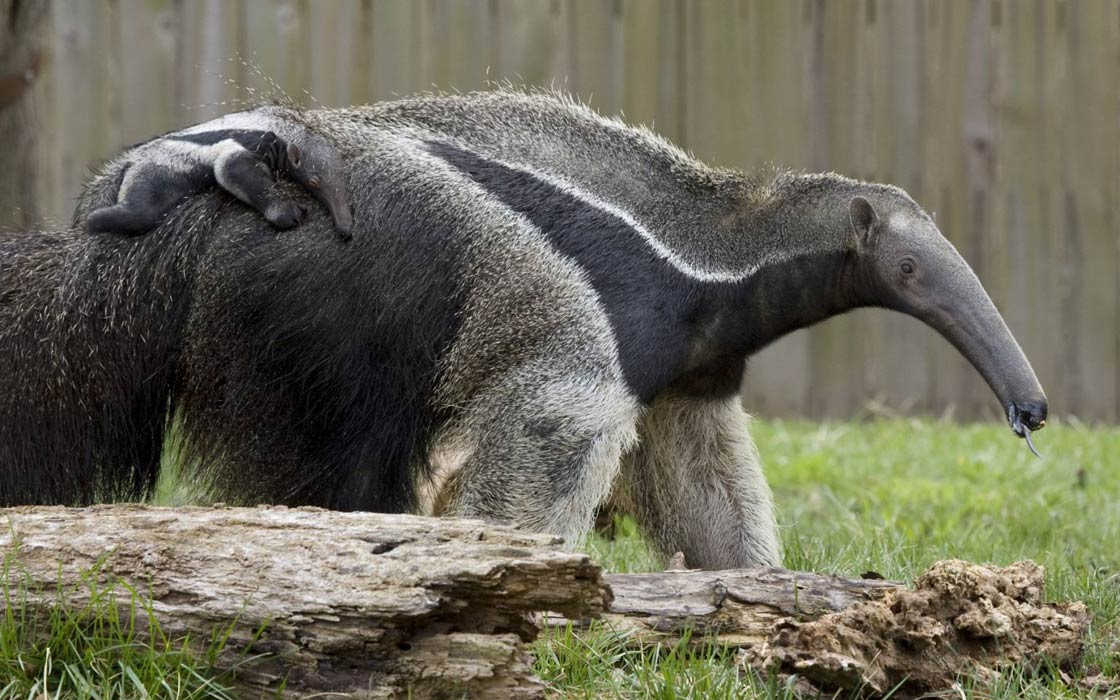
{"type": "Point", "coordinates": [959, 619]}
{"type": "Point", "coordinates": [737, 608]}
{"type": "Point", "coordinates": [368, 605]}
{"type": "Point", "coordinates": [854, 635]}
{"type": "Point", "coordinates": [383, 606]}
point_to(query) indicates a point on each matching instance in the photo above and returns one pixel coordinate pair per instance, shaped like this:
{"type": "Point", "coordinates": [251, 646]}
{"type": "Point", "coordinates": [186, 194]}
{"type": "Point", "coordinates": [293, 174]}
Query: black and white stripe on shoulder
{"type": "Point", "coordinates": [649, 300]}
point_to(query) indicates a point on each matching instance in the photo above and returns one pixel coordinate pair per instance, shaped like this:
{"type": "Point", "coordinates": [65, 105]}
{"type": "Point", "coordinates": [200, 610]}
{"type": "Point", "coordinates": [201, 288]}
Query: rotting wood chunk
{"type": "Point", "coordinates": [960, 618]}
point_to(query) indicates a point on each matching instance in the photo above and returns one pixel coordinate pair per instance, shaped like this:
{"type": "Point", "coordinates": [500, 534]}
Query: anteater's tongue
{"type": "Point", "coordinates": [1020, 428]}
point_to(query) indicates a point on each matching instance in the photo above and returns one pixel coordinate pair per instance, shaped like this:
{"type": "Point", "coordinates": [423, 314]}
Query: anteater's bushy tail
{"type": "Point", "coordinates": [296, 369]}
{"type": "Point", "coordinates": [90, 328]}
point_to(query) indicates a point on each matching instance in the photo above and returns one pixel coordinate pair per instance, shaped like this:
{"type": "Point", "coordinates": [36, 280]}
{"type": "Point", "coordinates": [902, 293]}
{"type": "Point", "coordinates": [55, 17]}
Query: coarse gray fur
{"type": "Point", "coordinates": [240, 152]}
{"type": "Point", "coordinates": [557, 312]}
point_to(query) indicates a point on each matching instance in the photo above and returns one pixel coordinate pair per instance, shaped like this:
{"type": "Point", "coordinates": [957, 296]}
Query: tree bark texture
{"type": "Point", "coordinates": [377, 606]}
{"type": "Point", "coordinates": [736, 608]}
{"type": "Point", "coordinates": [22, 44]}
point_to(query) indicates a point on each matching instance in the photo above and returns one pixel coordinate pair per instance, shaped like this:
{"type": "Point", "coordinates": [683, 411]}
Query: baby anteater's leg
{"type": "Point", "coordinates": [123, 218]}
{"type": "Point", "coordinates": [246, 176]}
{"type": "Point", "coordinates": [147, 194]}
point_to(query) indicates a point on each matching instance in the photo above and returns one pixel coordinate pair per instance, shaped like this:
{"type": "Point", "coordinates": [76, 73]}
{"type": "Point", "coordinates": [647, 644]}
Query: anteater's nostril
{"type": "Point", "coordinates": [1034, 415]}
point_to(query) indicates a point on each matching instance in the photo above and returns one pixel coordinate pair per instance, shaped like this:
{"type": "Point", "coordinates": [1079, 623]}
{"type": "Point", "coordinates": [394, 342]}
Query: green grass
{"type": "Point", "coordinates": [101, 641]}
{"type": "Point", "coordinates": [890, 497]}
{"type": "Point", "coordinates": [893, 497]}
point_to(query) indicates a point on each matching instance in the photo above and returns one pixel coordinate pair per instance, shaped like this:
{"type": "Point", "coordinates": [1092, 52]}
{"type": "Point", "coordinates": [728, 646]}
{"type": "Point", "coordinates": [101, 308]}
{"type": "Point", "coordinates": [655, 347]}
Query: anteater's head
{"type": "Point", "coordinates": [316, 164]}
{"type": "Point", "coordinates": [903, 262]}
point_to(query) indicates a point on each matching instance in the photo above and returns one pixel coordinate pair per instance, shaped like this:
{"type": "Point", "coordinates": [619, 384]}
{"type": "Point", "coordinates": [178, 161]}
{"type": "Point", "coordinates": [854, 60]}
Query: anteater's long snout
{"type": "Point", "coordinates": [344, 220]}
{"type": "Point", "coordinates": [338, 204]}
{"type": "Point", "coordinates": [971, 322]}
{"type": "Point", "coordinates": [960, 309]}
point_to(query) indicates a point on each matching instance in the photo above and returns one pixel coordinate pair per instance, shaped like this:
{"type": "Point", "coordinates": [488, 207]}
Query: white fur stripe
{"type": "Point", "coordinates": [649, 237]}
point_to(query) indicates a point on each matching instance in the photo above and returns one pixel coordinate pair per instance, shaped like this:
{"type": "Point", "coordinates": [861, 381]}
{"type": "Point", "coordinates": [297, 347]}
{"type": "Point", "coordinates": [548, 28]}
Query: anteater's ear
{"type": "Point", "coordinates": [865, 222]}
{"type": "Point", "coordinates": [295, 156]}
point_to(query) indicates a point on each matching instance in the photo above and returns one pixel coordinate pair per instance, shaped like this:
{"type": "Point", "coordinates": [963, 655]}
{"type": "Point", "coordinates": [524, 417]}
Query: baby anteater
{"type": "Point", "coordinates": [240, 152]}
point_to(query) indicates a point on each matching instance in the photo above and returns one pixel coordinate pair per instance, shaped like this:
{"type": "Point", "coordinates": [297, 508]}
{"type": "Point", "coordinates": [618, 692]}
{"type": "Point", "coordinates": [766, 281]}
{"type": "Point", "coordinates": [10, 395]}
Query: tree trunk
{"type": "Point", "coordinates": [22, 33]}
{"type": "Point", "coordinates": [373, 605]}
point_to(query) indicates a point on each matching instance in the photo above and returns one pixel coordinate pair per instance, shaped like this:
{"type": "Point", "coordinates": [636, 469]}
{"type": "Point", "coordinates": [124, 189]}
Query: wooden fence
{"type": "Point", "coordinates": [1002, 116]}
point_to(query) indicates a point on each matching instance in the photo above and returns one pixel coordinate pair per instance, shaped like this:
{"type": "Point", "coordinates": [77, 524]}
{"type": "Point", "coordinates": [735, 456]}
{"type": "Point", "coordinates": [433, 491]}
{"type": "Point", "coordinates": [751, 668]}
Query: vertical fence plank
{"type": "Point", "coordinates": [900, 354]}
{"type": "Point", "coordinates": [397, 65]}
{"type": "Point", "coordinates": [641, 79]}
{"type": "Point", "coordinates": [949, 373]}
{"type": "Point", "coordinates": [833, 28]}
{"type": "Point", "coordinates": [594, 53]}
{"type": "Point", "coordinates": [670, 68]}
{"type": "Point", "coordinates": [465, 49]}
{"type": "Point", "coordinates": [1091, 42]}
{"type": "Point", "coordinates": [527, 41]}
{"type": "Point", "coordinates": [276, 46]}
{"type": "Point", "coordinates": [778, 381]}
{"type": "Point", "coordinates": [80, 71]}
{"type": "Point", "coordinates": [146, 98]}
{"type": "Point", "coordinates": [333, 42]}
{"type": "Point", "coordinates": [1111, 185]}
{"type": "Point", "coordinates": [712, 128]}
{"type": "Point", "coordinates": [208, 72]}
{"type": "Point", "coordinates": [1013, 85]}
{"type": "Point", "coordinates": [978, 144]}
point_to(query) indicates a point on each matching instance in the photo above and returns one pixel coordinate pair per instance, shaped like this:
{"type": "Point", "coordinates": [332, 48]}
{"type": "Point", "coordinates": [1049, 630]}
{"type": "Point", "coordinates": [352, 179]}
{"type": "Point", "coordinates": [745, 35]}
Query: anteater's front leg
{"type": "Point", "coordinates": [246, 176]}
{"type": "Point", "coordinates": [695, 485]}
{"type": "Point", "coordinates": [539, 450]}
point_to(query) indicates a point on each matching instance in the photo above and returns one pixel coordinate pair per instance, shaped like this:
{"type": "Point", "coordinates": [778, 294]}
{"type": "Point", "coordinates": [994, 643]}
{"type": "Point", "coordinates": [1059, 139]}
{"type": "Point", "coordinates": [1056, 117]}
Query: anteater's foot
{"type": "Point", "coordinates": [285, 215]}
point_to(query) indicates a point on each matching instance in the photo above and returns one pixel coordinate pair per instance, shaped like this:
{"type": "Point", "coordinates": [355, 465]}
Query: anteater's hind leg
{"type": "Point", "coordinates": [147, 194]}
{"type": "Point", "coordinates": [246, 176]}
{"type": "Point", "coordinates": [126, 217]}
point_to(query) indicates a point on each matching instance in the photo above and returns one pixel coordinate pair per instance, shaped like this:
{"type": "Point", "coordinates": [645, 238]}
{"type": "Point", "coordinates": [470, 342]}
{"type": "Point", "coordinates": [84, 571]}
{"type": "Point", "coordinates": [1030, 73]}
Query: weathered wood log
{"type": "Point", "coordinates": [959, 618]}
{"type": "Point", "coordinates": [376, 606]}
{"type": "Point", "coordinates": [870, 636]}
{"type": "Point", "coordinates": [736, 608]}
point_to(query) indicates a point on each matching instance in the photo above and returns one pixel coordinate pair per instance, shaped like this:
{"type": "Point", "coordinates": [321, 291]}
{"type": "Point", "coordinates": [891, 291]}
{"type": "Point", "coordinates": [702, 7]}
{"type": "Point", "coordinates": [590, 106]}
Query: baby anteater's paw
{"type": "Point", "coordinates": [284, 215]}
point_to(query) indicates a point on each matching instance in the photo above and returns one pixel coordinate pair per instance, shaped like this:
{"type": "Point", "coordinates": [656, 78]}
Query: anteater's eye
{"type": "Point", "coordinates": [314, 181]}
{"type": "Point", "coordinates": [907, 266]}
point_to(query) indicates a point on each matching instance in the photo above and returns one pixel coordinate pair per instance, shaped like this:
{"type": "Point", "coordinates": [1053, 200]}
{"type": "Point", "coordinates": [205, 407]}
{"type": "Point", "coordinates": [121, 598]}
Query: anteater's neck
{"type": "Point", "coordinates": [792, 294]}
{"type": "Point", "coordinates": [803, 272]}
{"type": "Point", "coordinates": [813, 276]}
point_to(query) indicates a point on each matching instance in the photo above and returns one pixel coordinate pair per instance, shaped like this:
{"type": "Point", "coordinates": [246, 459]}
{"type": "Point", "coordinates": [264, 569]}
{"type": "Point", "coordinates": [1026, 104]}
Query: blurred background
{"type": "Point", "coordinates": [1001, 117]}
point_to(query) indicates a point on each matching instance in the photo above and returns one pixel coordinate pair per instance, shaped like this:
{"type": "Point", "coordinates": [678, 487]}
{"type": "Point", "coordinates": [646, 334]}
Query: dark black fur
{"type": "Point", "coordinates": [313, 378]}
{"type": "Point", "coordinates": [300, 373]}
{"type": "Point", "coordinates": [89, 360]}
{"type": "Point", "coordinates": [650, 303]}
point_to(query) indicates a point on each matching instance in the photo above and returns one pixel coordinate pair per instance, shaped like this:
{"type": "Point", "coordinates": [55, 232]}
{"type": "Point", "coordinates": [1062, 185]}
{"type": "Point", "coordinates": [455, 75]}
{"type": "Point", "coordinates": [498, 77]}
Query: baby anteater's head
{"type": "Point", "coordinates": [315, 163]}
